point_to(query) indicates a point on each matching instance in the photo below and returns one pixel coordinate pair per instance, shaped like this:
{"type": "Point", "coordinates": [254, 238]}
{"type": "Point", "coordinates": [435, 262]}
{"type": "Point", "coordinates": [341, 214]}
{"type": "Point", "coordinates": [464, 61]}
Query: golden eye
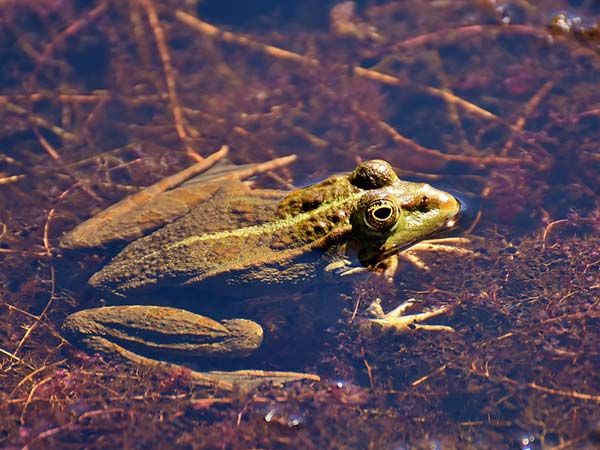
{"type": "Point", "coordinates": [381, 214]}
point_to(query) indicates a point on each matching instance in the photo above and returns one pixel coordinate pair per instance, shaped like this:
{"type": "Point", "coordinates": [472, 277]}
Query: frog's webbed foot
{"type": "Point", "coordinates": [394, 322]}
{"type": "Point", "coordinates": [388, 267]}
{"type": "Point", "coordinates": [340, 265]}
{"type": "Point", "coordinates": [454, 245]}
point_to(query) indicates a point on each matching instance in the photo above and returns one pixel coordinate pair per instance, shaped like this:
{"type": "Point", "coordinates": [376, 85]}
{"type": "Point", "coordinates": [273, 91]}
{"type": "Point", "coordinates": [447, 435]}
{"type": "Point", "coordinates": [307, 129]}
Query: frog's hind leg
{"type": "Point", "coordinates": [228, 381]}
{"type": "Point", "coordinates": [131, 332]}
{"type": "Point", "coordinates": [105, 347]}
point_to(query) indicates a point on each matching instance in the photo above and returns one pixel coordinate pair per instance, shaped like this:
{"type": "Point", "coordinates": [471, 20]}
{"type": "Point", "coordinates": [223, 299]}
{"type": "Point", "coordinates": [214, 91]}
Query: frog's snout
{"type": "Point", "coordinates": [452, 206]}
{"type": "Point", "coordinates": [447, 204]}
{"type": "Point", "coordinates": [465, 210]}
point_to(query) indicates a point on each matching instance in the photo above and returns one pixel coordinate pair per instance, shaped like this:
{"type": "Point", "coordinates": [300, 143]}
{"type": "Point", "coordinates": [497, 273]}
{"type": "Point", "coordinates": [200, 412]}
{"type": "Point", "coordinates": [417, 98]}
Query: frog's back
{"type": "Point", "coordinates": [143, 262]}
{"type": "Point", "coordinates": [233, 237]}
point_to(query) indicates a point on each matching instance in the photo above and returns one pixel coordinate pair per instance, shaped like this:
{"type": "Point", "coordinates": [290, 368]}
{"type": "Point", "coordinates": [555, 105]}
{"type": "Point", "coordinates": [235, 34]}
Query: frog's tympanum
{"type": "Point", "coordinates": [266, 241]}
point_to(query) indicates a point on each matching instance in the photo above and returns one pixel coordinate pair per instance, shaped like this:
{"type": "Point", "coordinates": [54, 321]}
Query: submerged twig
{"type": "Point", "coordinates": [38, 121]}
{"type": "Point", "coordinates": [227, 36]}
{"type": "Point", "coordinates": [11, 179]}
{"type": "Point", "coordinates": [529, 108]}
{"type": "Point", "coordinates": [165, 57]}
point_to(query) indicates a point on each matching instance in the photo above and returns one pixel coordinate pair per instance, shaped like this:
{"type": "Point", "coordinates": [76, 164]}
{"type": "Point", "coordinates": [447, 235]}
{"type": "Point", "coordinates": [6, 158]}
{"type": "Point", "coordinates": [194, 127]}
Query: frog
{"type": "Point", "coordinates": [258, 241]}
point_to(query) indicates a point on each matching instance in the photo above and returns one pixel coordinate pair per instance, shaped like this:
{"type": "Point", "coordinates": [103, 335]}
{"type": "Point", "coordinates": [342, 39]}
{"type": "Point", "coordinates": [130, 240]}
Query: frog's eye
{"type": "Point", "coordinates": [381, 214]}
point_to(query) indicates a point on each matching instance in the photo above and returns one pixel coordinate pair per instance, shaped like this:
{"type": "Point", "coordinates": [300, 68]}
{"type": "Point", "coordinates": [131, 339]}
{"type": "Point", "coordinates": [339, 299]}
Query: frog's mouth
{"type": "Point", "coordinates": [384, 253]}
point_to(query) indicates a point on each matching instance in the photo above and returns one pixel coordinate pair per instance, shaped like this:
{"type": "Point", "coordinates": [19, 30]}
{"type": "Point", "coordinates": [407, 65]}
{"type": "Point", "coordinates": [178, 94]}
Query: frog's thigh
{"type": "Point", "coordinates": [126, 331]}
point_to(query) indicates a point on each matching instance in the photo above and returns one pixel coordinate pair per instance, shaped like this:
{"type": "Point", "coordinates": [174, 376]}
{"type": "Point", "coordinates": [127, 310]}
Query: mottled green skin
{"type": "Point", "coordinates": [237, 238]}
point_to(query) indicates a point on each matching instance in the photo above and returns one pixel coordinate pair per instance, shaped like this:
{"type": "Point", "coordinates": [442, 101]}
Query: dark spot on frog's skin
{"type": "Point", "coordinates": [339, 216]}
{"type": "Point", "coordinates": [313, 202]}
{"type": "Point", "coordinates": [319, 227]}
{"type": "Point", "coordinates": [373, 174]}
{"type": "Point", "coordinates": [242, 209]}
{"type": "Point", "coordinates": [421, 204]}
{"type": "Point", "coordinates": [282, 243]}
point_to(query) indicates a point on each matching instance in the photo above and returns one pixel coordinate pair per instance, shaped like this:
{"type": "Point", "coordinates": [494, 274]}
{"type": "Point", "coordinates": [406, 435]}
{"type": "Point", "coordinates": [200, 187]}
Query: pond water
{"type": "Point", "coordinates": [498, 102]}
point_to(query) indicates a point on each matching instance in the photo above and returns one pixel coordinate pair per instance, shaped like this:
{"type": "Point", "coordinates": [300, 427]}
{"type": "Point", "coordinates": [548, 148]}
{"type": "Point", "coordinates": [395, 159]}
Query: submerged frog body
{"type": "Point", "coordinates": [263, 240]}
{"type": "Point", "coordinates": [241, 237]}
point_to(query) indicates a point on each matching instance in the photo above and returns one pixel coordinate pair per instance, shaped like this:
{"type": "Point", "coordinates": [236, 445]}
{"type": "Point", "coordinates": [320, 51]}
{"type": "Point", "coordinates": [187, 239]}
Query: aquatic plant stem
{"type": "Point", "coordinates": [72, 425]}
{"type": "Point", "coordinates": [227, 36]}
{"type": "Point", "coordinates": [528, 110]}
{"type": "Point", "coordinates": [36, 121]}
{"type": "Point", "coordinates": [165, 57]}
{"type": "Point", "coordinates": [472, 160]}
{"type": "Point", "coordinates": [48, 249]}
{"type": "Point", "coordinates": [573, 394]}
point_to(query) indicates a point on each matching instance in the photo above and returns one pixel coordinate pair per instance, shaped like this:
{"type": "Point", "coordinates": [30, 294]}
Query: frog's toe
{"type": "Point", "coordinates": [343, 268]}
{"type": "Point", "coordinates": [375, 310]}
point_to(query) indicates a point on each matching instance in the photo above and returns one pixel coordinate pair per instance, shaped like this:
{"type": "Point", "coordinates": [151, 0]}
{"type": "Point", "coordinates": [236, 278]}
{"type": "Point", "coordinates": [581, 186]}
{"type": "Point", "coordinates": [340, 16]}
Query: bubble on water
{"type": "Point", "coordinates": [286, 415]}
{"type": "Point", "coordinates": [340, 383]}
{"type": "Point", "coordinates": [295, 420]}
{"type": "Point", "coordinates": [270, 414]}
{"type": "Point", "coordinates": [527, 441]}
{"type": "Point", "coordinates": [434, 444]}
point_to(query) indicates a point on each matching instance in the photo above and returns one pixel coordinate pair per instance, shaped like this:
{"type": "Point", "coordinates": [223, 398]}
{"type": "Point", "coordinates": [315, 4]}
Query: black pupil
{"type": "Point", "coordinates": [382, 213]}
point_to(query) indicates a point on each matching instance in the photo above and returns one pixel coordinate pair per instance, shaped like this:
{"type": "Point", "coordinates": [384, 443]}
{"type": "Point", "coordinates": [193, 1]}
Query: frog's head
{"type": "Point", "coordinates": [393, 214]}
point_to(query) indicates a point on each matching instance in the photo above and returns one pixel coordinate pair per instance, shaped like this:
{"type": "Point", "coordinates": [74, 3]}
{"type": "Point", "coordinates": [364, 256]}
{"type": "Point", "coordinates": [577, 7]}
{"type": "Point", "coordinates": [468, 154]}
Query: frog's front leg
{"type": "Point", "coordinates": [394, 322]}
{"type": "Point", "coordinates": [341, 265]}
{"type": "Point", "coordinates": [455, 245]}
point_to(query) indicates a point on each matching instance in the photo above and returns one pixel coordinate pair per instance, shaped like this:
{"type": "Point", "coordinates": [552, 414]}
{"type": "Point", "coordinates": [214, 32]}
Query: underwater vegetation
{"type": "Point", "coordinates": [499, 101]}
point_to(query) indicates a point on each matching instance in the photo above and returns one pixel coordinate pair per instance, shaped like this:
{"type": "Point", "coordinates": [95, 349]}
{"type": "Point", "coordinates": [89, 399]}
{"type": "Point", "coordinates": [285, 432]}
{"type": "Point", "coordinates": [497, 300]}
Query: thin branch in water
{"type": "Point", "coordinates": [573, 394]}
{"type": "Point", "coordinates": [528, 110]}
{"type": "Point", "coordinates": [368, 368]}
{"type": "Point", "coordinates": [31, 394]}
{"type": "Point", "coordinates": [369, 74]}
{"type": "Point", "coordinates": [423, 379]}
{"type": "Point", "coordinates": [450, 35]}
{"type": "Point", "coordinates": [72, 425]}
{"type": "Point", "coordinates": [68, 32]}
{"type": "Point", "coordinates": [33, 373]}
{"type": "Point", "coordinates": [38, 121]}
{"type": "Point", "coordinates": [471, 160]}
{"type": "Point", "coordinates": [11, 179]}
{"type": "Point", "coordinates": [165, 58]}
